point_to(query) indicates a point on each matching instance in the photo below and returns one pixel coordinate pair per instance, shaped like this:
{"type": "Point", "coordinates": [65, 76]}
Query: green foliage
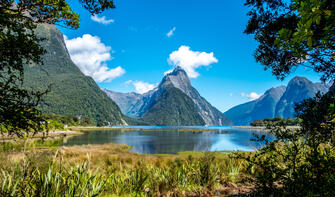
{"type": "Point", "coordinates": [207, 171]}
{"type": "Point", "coordinates": [177, 177]}
{"type": "Point", "coordinates": [292, 33]}
{"type": "Point", "coordinates": [173, 107]}
{"type": "Point", "coordinates": [318, 118]}
{"type": "Point", "coordinates": [49, 175]}
{"type": "Point", "coordinates": [68, 120]}
{"type": "Point", "coordinates": [297, 32]}
{"type": "Point", "coordinates": [19, 46]}
{"type": "Point", "coordinates": [276, 121]}
{"type": "Point", "coordinates": [20, 145]}
{"type": "Point", "coordinates": [299, 162]}
{"type": "Point", "coordinates": [54, 125]}
{"type": "Point", "coordinates": [18, 112]}
{"type": "Point", "coordinates": [96, 7]}
{"type": "Point", "coordinates": [78, 181]}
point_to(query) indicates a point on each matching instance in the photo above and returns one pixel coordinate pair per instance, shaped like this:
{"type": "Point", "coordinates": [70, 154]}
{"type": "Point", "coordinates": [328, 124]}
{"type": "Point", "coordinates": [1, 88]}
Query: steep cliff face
{"type": "Point", "coordinates": [266, 105]}
{"type": "Point", "coordinates": [276, 102]}
{"type": "Point", "coordinates": [212, 116]}
{"type": "Point", "coordinates": [176, 79]}
{"type": "Point", "coordinates": [125, 100]}
{"type": "Point", "coordinates": [72, 92]}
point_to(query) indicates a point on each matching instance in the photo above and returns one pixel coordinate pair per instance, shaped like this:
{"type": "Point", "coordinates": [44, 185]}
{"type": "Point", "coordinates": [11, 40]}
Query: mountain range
{"type": "Point", "coordinates": [173, 102]}
{"type": "Point", "coordinates": [276, 102]}
{"type": "Point", "coordinates": [151, 104]}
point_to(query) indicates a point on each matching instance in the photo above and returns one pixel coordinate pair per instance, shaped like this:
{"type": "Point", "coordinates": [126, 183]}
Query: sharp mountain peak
{"type": "Point", "coordinates": [177, 78]}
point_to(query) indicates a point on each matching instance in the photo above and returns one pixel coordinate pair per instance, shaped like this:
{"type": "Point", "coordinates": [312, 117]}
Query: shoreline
{"type": "Point", "coordinates": [82, 129]}
{"type": "Point", "coordinates": [139, 128]}
{"type": "Point", "coordinates": [251, 127]}
{"type": "Point", "coordinates": [79, 130]}
{"type": "Point", "coordinates": [262, 128]}
{"type": "Point", "coordinates": [62, 133]}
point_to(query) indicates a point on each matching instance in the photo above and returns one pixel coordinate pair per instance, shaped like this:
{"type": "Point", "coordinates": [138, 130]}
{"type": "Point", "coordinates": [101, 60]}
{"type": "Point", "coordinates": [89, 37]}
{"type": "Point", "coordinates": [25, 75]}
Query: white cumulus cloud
{"type": "Point", "coordinates": [102, 19]}
{"type": "Point", "coordinates": [252, 96]}
{"type": "Point", "coordinates": [171, 32]}
{"type": "Point", "coordinates": [91, 55]}
{"type": "Point", "coordinates": [143, 87]}
{"type": "Point", "coordinates": [190, 60]}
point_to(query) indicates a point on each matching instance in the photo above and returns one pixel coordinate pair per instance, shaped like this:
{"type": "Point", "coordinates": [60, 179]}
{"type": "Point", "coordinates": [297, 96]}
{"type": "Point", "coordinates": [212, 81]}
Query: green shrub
{"type": "Point", "coordinates": [299, 162]}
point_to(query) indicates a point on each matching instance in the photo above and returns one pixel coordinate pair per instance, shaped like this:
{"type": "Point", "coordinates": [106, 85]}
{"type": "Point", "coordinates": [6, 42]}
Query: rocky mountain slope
{"type": "Point", "coordinates": [212, 116]}
{"type": "Point", "coordinates": [125, 100]}
{"type": "Point", "coordinates": [177, 79]}
{"type": "Point", "coordinates": [263, 107]}
{"type": "Point", "coordinates": [276, 102]}
{"type": "Point", "coordinates": [72, 92]}
{"type": "Point", "coordinates": [172, 107]}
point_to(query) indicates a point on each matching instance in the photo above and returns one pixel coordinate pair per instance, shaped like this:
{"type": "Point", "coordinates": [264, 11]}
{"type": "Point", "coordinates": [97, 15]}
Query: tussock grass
{"type": "Point", "coordinates": [111, 170]}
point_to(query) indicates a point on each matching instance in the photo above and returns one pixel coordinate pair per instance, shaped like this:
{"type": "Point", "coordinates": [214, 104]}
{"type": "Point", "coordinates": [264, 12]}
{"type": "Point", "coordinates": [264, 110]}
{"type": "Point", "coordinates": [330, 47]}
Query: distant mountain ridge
{"type": "Point", "coordinates": [176, 79]}
{"type": "Point", "coordinates": [72, 93]}
{"type": "Point", "coordinates": [298, 89]}
{"type": "Point", "coordinates": [125, 100]}
{"type": "Point", "coordinates": [276, 102]}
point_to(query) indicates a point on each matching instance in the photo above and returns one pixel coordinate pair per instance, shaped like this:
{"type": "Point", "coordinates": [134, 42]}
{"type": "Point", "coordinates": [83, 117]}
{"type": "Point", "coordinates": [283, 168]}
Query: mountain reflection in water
{"type": "Point", "coordinates": [169, 140]}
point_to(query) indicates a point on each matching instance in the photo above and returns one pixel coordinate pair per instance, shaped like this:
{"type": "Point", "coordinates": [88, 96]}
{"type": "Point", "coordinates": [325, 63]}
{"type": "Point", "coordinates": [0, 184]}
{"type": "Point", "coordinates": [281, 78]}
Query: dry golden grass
{"type": "Point", "coordinates": [104, 156]}
{"type": "Point", "coordinates": [117, 160]}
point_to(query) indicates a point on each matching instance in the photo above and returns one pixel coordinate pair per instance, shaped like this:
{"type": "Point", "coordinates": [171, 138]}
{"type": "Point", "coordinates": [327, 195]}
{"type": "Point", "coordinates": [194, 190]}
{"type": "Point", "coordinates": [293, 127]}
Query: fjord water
{"type": "Point", "coordinates": [170, 140]}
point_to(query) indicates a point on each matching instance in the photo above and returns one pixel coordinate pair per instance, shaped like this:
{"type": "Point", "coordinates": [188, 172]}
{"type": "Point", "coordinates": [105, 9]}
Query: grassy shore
{"type": "Point", "coordinates": [34, 166]}
{"type": "Point", "coordinates": [51, 134]}
{"type": "Point", "coordinates": [262, 128]}
{"type": "Point", "coordinates": [112, 170]}
{"type": "Point", "coordinates": [71, 131]}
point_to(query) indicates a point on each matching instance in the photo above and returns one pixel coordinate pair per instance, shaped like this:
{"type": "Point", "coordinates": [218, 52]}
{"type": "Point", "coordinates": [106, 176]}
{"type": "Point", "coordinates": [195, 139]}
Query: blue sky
{"type": "Point", "coordinates": [131, 45]}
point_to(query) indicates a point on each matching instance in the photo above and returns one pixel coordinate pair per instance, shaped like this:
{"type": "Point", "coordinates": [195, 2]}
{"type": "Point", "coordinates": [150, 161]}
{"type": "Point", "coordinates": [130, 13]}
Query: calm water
{"type": "Point", "coordinates": [171, 140]}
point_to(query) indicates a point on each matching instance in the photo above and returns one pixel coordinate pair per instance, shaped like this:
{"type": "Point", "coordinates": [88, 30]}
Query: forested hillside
{"type": "Point", "coordinates": [71, 93]}
{"type": "Point", "coordinates": [173, 107]}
